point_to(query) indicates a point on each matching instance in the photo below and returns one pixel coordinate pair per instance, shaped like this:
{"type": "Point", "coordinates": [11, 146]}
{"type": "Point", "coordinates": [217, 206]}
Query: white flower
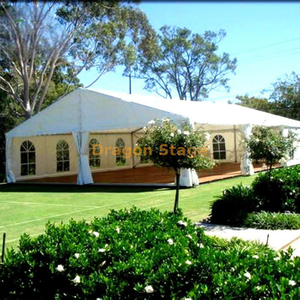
{"type": "Point", "coordinates": [292, 282]}
{"type": "Point", "coordinates": [247, 275]}
{"type": "Point", "coordinates": [151, 122]}
{"type": "Point", "coordinates": [96, 234]}
{"type": "Point", "coordinates": [257, 140]}
{"type": "Point", "coordinates": [170, 241]}
{"type": "Point", "coordinates": [60, 268]}
{"type": "Point", "coordinates": [258, 287]}
{"type": "Point", "coordinates": [182, 223]}
{"type": "Point", "coordinates": [76, 280]}
{"type": "Point", "coordinates": [118, 230]}
{"type": "Point", "coordinates": [103, 263]}
{"type": "Point", "coordinates": [106, 245]}
{"type": "Point", "coordinates": [187, 298]}
{"type": "Point", "coordinates": [149, 289]}
{"type": "Point", "coordinates": [172, 134]}
{"type": "Point", "coordinates": [90, 231]}
{"type": "Point", "coordinates": [186, 133]}
{"type": "Point", "coordinates": [77, 255]}
{"type": "Point", "coordinates": [179, 131]}
{"type": "Point", "coordinates": [188, 262]}
{"type": "Point", "coordinates": [255, 256]}
{"type": "Point", "coordinates": [207, 136]}
{"type": "Point", "coordinates": [189, 236]}
{"type": "Point", "coordinates": [101, 250]}
{"type": "Point", "coordinates": [200, 245]}
{"type": "Point", "coordinates": [144, 129]}
{"type": "Point", "coordinates": [277, 258]}
{"type": "Point", "coordinates": [165, 119]}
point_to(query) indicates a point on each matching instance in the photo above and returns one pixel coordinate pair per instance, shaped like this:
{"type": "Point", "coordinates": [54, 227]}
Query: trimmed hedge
{"type": "Point", "coordinates": [134, 254]}
{"type": "Point", "coordinates": [268, 220]}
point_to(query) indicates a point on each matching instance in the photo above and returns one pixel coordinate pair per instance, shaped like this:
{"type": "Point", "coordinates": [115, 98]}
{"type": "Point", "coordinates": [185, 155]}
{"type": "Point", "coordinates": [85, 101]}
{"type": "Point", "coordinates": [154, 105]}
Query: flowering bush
{"type": "Point", "coordinates": [134, 254]}
{"type": "Point", "coordinates": [175, 147]}
{"type": "Point", "coordinates": [269, 146]}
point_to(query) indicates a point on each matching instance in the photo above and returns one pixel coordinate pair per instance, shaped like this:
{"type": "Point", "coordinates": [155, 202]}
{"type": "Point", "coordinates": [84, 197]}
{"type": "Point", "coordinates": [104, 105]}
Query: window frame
{"type": "Point", "coordinates": [219, 152]}
{"type": "Point", "coordinates": [27, 147]}
{"type": "Point", "coordinates": [94, 158]}
{"type": "Point", "coordinates": [120, 159]}
{"type": "Point", "coordinates": [65, 163]}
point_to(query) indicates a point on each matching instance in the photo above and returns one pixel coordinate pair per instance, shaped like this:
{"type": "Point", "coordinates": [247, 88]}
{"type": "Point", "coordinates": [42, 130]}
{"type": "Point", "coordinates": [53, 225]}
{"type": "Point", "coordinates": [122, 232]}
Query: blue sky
{"type": "Point", "coordinates": [264, 37]}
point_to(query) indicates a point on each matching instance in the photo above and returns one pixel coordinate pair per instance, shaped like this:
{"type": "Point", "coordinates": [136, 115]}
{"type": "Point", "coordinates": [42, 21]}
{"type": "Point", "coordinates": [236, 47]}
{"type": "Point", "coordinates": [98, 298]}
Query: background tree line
{"type": "Point", "coordinates": [45, 45]}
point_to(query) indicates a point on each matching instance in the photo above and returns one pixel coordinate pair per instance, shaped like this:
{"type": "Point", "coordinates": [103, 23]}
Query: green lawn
{"type": "Point", "coordinates": [27, 208]}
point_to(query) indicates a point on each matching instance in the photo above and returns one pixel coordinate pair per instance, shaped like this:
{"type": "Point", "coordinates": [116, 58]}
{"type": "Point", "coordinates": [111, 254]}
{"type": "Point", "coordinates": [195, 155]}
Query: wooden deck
{"type": "Point", "coordinates": [154, 175]}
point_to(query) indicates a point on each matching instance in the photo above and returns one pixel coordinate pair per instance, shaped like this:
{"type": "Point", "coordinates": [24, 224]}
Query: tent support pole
{"type": "Point", "coordinates": [235, 149]}
{"type": "Point", "coordinates": [132, 146]}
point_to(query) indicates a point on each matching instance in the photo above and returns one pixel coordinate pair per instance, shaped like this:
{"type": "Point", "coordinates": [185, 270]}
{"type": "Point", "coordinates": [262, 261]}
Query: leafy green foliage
{"type": "Point", "coordinates": [269, 146]}
{"type": "Point", "coordinates": [268, 220]}
{"type": "Point", "coordinates": [187, 63]}
{"type": "Point", "coordinates": [233, 206]}
{"type": "Point", "coordinates": [174, 147]}
{"type": "Point", "coordinates": [278, 191]}
{"type": "Point", "coordinates": [163, 135]}
{"type": "Point", "coordinates": [133, 254]}
{"type": "Point", "coordinates": [267, 202]}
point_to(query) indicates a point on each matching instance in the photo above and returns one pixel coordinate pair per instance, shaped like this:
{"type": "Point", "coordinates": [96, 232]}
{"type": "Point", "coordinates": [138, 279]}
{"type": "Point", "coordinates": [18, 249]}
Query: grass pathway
{"type": "Point", "coordinates": [28, 208]}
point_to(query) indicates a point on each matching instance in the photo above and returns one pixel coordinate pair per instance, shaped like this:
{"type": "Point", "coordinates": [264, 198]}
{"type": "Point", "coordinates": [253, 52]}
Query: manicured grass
{"type": "Point", "coordinates": [25, 208]}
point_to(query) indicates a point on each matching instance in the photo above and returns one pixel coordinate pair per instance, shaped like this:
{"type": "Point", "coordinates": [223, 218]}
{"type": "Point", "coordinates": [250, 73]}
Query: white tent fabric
{"type": "Point", "coordinates": [87, 110]}
{"type": "Point", "coordinates": [10, 177]}
{"type": "Point", "coordinates": [188, 178]}
{"type": "Point", "coordinates": [81, 140]}
{"type": "Point", "coordinates": [246, 163]}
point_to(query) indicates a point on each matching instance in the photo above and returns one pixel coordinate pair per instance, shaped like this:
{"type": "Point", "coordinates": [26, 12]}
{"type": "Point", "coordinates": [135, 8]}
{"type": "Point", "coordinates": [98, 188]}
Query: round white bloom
{"type": "Point", "coordinates": [101, 250]}
{"type": "Point", "coordinates": [186, 133]}
{"type": "Point", "coordinates": [200, 245]}
{"type": "Point", "coordinates": [106, 245]}
{"type": "Point", "coordinates": [182, 223]}
{"type": "Point", "coordinates": [96, 234]}
{"type": "Point", "coordinates": [60, 268]}
{"type": "Point", "coordinates": [179, 131]}
{"type": "Point", "coordinates": [207, 136]}
{"type": "Point", "coordinates": [247, 275]}
{"type": "Point", "coordinates": [257, 140]}
{"type": "Point", "coordinates": [118, 230]}
{"type": "Point", "coordinates": [188, 262]}
{"type": "Point", "coordinates": [255, 256]}
{"type": "Point", "coordinates": [170, 241]}
{"type": "Point", "coordinates": [187, 298]}
{"type": "Point", "coordinates": [90, 231]}
{"type": "Point", "coordinates": [103, 263]}
{"type": "Point", "coordinates": [292, 282]}
{"type": "Point", "coordinates": [189, 236]}
{"type": "Point", "coordinates": [149, 289]}
{"type": "Point", "coordinates": [77, 255]}
{"type": "Point", "coordinates": [151, 122]}
{"type": "Point", "coordinates": [258, 287]}
{"type": "Point", "coordinates": [165, 119]}
{"type": "Point", "coordinates": [172, 134]}
{"type": "Point", "coordinates": [76, 279]}
{"type": "Point", "coordinates": [277, 258]}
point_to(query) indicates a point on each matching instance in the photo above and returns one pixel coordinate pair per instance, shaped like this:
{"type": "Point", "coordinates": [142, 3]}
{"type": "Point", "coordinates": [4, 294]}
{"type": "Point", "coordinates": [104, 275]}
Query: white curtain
{"type": "Point", "coordinates": [188, 178]}
{"type": "Point", "coordinates": [10, 177]}
{"type": "Point", "coordinates": [81, 140]}
{"type": "Point", "coordinates": [246, 163]}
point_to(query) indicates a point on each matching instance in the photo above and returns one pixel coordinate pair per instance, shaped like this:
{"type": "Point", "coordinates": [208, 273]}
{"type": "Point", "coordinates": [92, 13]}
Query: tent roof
{"type": "Point", "coordinates": [103, 111]}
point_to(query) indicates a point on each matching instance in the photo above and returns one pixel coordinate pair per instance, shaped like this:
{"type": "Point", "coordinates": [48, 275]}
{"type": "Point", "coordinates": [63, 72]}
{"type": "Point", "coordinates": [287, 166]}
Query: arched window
{"type": "Point", "coordinates": [120, 159]}
{"type": "Point", "coordinates": [219, 147]}
{"type": "Point", "coordinates": [94, 154]}
{"type": "Point", "coordinates": [62, 156]}
{"type": "Point", "coordinates": [27, 150]}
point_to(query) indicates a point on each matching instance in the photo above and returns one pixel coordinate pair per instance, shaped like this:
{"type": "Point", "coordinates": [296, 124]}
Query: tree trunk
{"type": "Point", "coordinates": [177, 192]}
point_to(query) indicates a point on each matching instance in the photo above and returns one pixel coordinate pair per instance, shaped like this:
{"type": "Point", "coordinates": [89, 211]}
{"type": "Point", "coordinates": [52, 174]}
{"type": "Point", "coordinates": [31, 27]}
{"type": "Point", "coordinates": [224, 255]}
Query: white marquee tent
{"type": "Point", "coordinates": [86, 111]}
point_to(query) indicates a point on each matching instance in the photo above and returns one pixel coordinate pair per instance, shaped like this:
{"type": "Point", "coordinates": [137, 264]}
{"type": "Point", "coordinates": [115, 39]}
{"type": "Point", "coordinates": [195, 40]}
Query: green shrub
{"type": "Point", "coordinates": [134, 254]}
{"type": "Point", "coordinates": [267, 220]}
{"type": "Point", "coordinates": [279, 191]}
{"type": "Point", "coordinates": [233, 206]}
